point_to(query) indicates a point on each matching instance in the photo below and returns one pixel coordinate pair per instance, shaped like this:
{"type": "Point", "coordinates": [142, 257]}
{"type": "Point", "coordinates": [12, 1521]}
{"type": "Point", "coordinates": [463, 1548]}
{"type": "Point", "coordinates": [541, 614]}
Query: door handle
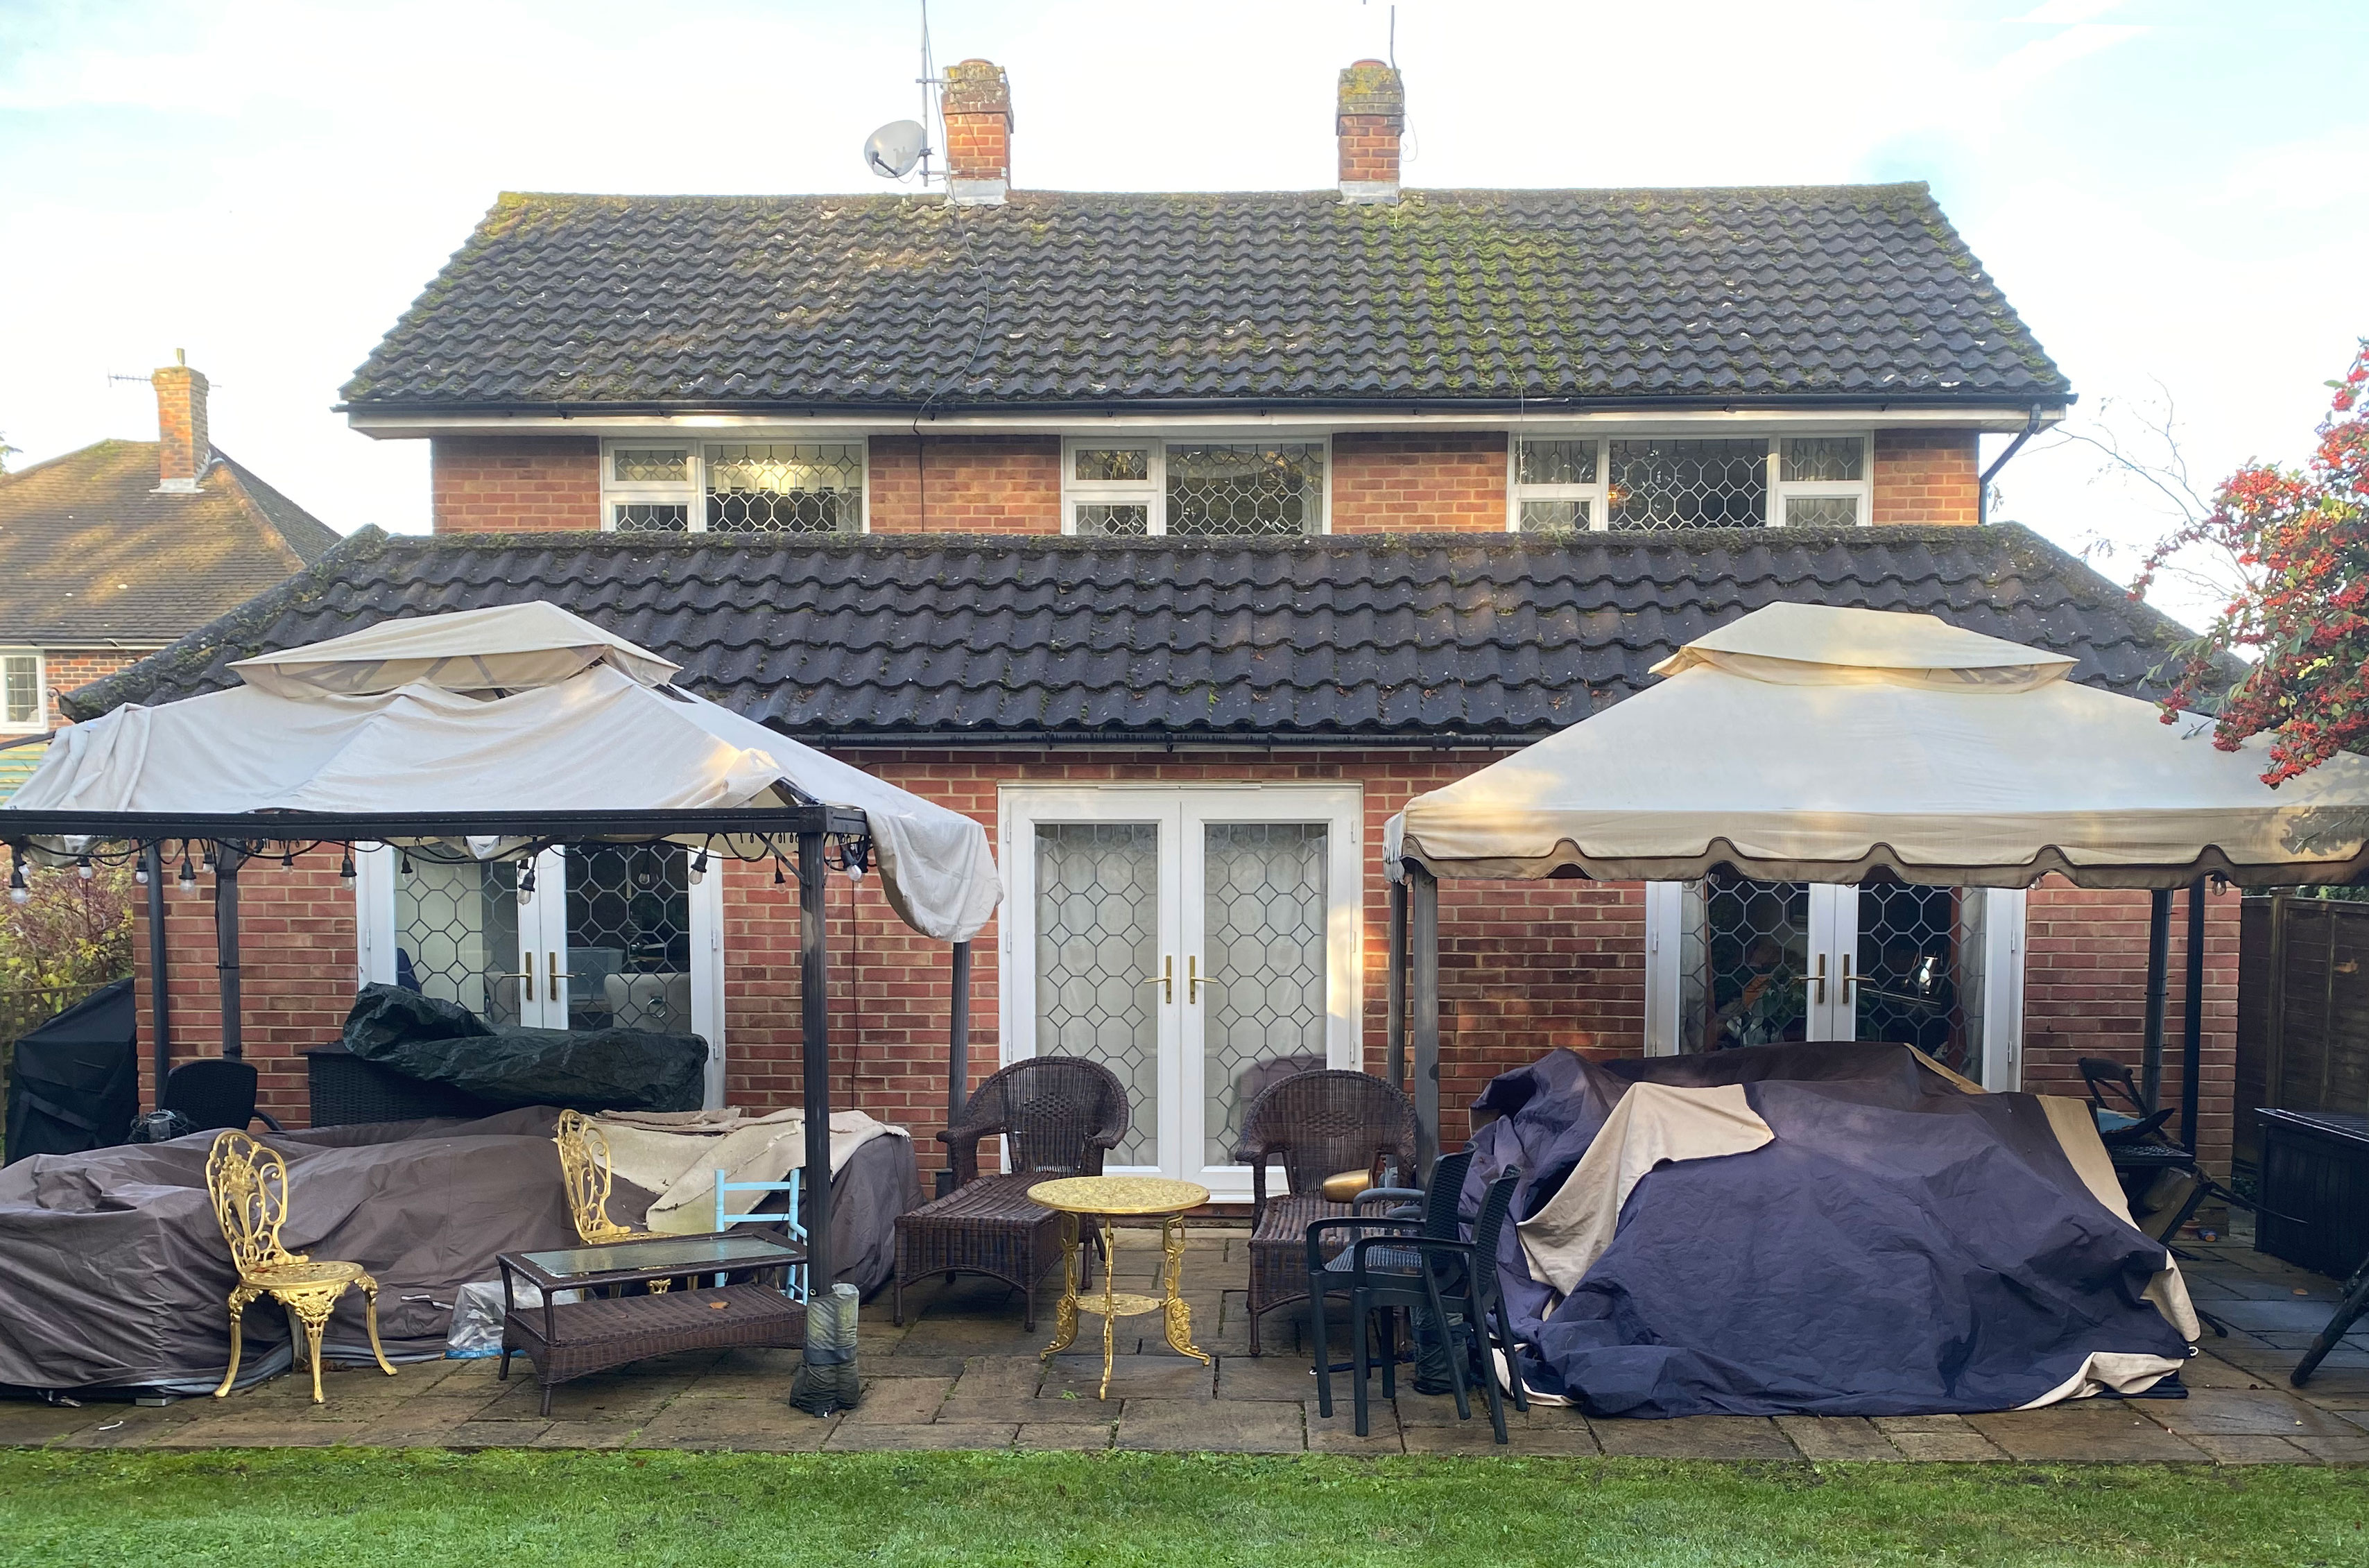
{"type": "Point", "coordinates": [1165, 979]}
{"type": "Point", "coordinates": [1846, 980]}
{"type": "Point", "coordinates": [1818, 981]}
{"type": "Point", "coordinates": [1195, 979]}
{"type": "Point", "coordinates": [552, 975]}
{"type": "Point", "coordinates": [525, 973]}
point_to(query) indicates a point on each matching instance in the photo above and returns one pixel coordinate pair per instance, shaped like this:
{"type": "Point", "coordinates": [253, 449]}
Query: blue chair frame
{"type": "Point", "coordinates": [794, 1279]}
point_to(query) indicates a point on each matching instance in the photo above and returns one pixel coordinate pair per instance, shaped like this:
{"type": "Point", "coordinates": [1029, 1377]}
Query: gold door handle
{"type": "Point", "coordinates": [1165, 979]}
{"type": "Point", "coordinates": [526, 974]}
{"type": "Point", "coordinates": [552, 975]}
{"type": "Point", "coordinates": [1818, 981]}
{"type": "Point", "coordinates": [1195, 979]}
{"type": "Point", "coordinates": [1847, 978]}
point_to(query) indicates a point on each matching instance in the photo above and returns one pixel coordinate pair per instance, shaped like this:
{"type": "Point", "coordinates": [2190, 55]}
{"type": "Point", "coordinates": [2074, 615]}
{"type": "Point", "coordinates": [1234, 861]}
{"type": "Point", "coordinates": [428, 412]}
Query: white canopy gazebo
{"type": "Point", "coordinates": [492, 734]}
{"type": "Point", "coordinates": [1941, 757]}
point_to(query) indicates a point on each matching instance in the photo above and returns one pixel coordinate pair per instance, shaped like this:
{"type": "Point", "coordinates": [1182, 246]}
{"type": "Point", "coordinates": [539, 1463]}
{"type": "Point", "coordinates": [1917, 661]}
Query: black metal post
{"type": "Point", "coordinates": [957, 1046]}
{"type": "Point", "coordinates": [2159, 966]}
{"type": "Point", "coordinates": [814, 1018]}
{"type": "Point", "coordinates": [228, 857]}
{"type": "Point", "coordinates": [2191, 1040]}
{"type": "Point", "coordinates": [1398, 982]}
{"type": "Point", "coordinates": [1422, 893]}
{"type": "Point", "coordinates": [160, 1042]}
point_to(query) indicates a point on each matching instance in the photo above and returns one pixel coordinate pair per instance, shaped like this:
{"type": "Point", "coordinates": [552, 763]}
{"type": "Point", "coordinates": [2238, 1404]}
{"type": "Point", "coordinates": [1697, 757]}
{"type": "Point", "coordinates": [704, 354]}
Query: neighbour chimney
{"type": "Point", "coordinates": [976, 106]}
{"type": "Point", "coordinates": [1371, 114]}
{"type": "Point", "coordinates": [183, 452]}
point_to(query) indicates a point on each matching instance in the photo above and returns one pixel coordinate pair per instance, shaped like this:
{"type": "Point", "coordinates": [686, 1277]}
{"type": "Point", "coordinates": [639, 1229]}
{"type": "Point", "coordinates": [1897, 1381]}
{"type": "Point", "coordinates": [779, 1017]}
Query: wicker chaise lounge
{"type": "Point", "coordinates": [1320, 1125]}
{"type": "Point", "coordinates": [1058, 1116]}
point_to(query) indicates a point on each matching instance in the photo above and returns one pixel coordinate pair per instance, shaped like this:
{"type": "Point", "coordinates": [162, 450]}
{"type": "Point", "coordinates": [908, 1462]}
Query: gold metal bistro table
{"type": "Point", "coordinates": [1103, 1199]}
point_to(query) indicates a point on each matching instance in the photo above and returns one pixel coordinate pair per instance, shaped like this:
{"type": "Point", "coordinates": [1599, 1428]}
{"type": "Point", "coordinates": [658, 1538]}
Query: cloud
{"type": "Point", "coordinates": [2043, 57]}
{"type": "Point", "coordinates": [2063, 13]}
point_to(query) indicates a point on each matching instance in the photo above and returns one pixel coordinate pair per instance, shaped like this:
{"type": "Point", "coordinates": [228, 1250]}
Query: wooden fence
{"type": "Point", "coordinates": [2303, 1008]}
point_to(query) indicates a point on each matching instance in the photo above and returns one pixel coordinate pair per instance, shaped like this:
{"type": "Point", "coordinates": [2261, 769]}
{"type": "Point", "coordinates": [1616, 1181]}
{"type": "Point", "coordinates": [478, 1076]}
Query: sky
{"type": "Point", "coordinates": [2169, 192]}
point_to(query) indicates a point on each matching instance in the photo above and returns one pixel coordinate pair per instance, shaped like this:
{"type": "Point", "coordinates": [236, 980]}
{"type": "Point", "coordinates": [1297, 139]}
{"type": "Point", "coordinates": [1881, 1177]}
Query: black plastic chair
{"type": "Point", "coordinates": [1456, 1284]}
{"type": "Point", "coordinates": [214, 1093]}
{"type": "Point", "coordinates": [1331, 1256]}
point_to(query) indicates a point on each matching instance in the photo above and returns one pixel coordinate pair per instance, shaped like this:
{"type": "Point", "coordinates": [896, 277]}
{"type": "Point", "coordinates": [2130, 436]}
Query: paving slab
{"type": "Point", "coordinates": [249, 1432]}
{"type": "Point", "coordinates": [1338, 1434]}
{"type": "Point", "coordinates": [2252, 1450]}
{"type": "Point", "coordinates": [2232, 1412]}
{"type": "Point", "coordinates": [938, 1434]}
{"type": "Point", "coordinates": [589, 1435]}
{"type": "Point", "coordinates": [745, 1426]}
{"type": "Point", "coordinates": [2102, 1434]}
{"type": "Point", "coordinates": [2335, 1451]}
{"type": "Point", "coordinates": [994, 1389]}
{"type": "Point", "coordinates": [1937, 1438]}
{"type": "Point", "coordinates": [1066, 1435]}
{"type": "Point", "coordinates": [1271, 1377]}
{"type": "Point", "coordinates": [1241, 1427]}
{"type": "Point", "coordinates": [1696, 1438]}
{"type": "Point", "coordinates": [1838, 1437]}
{"type": "Point", "coordinates": [466, 1435]}
{"type": "Point", "coordinates": [899, 1401]}
{"type": "Point", "coordinates": [1155, 1375]}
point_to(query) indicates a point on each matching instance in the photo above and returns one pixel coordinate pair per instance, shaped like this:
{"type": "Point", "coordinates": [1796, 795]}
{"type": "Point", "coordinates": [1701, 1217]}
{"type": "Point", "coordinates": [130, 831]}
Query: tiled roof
{"type": "Point", "coordinates": [90, 553]}
{"type": "Point", "coordinates": [1365, 639]}
{"type": "Point", "coordinates": [1618, 297]}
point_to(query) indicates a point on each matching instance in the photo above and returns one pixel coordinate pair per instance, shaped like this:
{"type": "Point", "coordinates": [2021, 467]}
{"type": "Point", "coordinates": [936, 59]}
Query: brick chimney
{"type": "Point", "coordinates": [1371, 114]}
{"type": "Point", "coordinates": [183, 452]}
{"type": "Point", "coordinates": [977, 106]}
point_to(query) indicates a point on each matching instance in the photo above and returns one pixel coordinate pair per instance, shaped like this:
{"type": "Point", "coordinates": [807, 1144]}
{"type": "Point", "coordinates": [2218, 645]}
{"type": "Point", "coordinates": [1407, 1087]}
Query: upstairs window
{"type": "Point", "coordinates": [21, 706]}
{"type": "Point", "coordinates": [1656, 484]}
{"type": "Point", "coordinates": [1209, 489]}
{"type": "Point", "coordinates": [733, 488]}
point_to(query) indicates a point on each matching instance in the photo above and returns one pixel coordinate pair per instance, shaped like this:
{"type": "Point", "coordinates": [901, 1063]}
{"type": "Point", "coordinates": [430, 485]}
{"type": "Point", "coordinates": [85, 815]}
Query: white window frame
{"type": "Point", "coordinates": [692, 493]}
{"type": "Point", "coordinates": [1152, 492]}
{"type": "Point", "coordinates": [1599, 518]}
{"type": "Point", "coordinates": [39, 723]}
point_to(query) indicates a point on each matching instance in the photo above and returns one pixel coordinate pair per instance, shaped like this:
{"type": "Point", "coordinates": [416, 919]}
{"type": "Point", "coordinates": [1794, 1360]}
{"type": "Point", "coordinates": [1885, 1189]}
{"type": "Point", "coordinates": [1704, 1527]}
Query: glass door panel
{"type": "Point", "coordinates": [1098, 969]}
{"type": "Point", "coordinates": [457, 931]}
{"type": "Point", "coordinates": [1749, 958]}
{"type": "Point", "coordinates": [629, 956]}
{"type": "Point", "coordinates": [1264, 968]}
{"type": "Point", "coordinates": [1918, 949]}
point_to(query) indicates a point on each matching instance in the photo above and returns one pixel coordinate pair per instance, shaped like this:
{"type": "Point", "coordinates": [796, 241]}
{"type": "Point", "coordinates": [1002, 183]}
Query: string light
{"type": "Point", "coordinates": [346, 871]}
{"type": "Point", "coordinates": [140, 872]}
{"type": "Point", "coordinates": [407, 863]}
{"type": "Point", "coordinates": [698, 868]}
{"type": "Point", "coordinates": [82, 868]}
{"type": "Point", "coordinates": [187, 881]}
{"type": "Point", "coordinates": [19, 892]}
{"type": "Point", "coordinates": [526, 884]}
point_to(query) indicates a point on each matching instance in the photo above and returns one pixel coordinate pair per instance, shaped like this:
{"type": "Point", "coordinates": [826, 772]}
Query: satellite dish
{"type": "Point", "coordinates": [893, 150]}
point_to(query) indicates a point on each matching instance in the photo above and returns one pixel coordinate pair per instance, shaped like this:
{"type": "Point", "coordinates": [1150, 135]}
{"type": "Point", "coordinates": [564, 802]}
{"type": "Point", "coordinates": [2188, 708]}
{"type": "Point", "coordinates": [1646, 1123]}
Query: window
{"type": "Point", "coordinates": [21, 703]}
{"type": "Point", "coordinates": [734, 487]}
{"type": "Point", "coordinates": [1211, 490]}
{"type": "Point", "coordinates": [1654, 484]}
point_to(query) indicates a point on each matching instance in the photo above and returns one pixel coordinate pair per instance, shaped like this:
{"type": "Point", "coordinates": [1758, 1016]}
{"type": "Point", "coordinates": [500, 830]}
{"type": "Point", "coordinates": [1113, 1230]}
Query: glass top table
{"type": "Point", "coordinates": [652, 1257]}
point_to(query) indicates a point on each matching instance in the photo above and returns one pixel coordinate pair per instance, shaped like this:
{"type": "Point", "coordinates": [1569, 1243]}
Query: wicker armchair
{"type": "Point", "coordinates": [1319, 1125]}
{"type": "Point", "coordinates": [1058, 1116]}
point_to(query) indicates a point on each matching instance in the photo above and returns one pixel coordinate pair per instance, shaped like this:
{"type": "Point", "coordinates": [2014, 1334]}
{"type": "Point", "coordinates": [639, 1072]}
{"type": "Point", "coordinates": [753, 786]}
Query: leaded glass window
{"type": "Point", "coordinates": [1654, 486]}
{"type": "Point", "coordinates": [1238, 489]}
{"type": "Point", "coordinates": [645, 517]}
{"type": "Point", "coordinates": [785, 487]}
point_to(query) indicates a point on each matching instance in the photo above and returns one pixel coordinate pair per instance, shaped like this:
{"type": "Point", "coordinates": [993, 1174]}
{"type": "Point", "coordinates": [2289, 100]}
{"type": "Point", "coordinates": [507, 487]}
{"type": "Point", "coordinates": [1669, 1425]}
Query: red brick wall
{"type": "Point", "coordinates": [515, 483]}
{"type": "Point", "coordinates": [974, 483]}
{"type": "Point", "coordinates": [1926, 476]}
{"type": "Point", "coordinates": [64, 669]}
{"type": "Point", "coordinates": [2085, 994]}
{"type": "Point", "coordinates": [1391, 483]}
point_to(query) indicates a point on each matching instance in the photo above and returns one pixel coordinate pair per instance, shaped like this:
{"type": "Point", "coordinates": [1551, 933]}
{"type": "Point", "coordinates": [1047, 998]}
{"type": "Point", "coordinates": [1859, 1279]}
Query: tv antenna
{"type": "Point", "coordinates": [896, 148]}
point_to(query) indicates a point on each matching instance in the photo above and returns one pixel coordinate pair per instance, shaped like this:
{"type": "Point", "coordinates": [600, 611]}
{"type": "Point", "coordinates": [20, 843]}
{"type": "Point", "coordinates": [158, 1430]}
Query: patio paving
{"type": "Point", "coordinates": [962, 1374]}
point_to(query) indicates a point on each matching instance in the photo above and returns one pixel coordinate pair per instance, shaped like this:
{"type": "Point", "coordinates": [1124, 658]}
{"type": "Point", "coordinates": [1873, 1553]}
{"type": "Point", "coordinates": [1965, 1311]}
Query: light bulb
{"type": "Point", "coordinates": [698, 868]}
{"type": "Point", "coordinates": [82, 868]}
{"type": "Point", "coordinates": [140, 875]}
{"type": "Point", "coordinates": [187, 881]}
{"type": "Point", "coordinates": [346, 872]}
{"type": "Point", "coordinates": [855, 871]}
{"type": "Point", "coordinates": [19, 892]}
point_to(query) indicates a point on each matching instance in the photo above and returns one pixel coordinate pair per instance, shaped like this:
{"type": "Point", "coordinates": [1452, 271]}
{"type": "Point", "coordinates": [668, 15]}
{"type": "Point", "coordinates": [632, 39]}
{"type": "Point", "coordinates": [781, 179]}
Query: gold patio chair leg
{"type": "Point", "coordinates": [238, 1300]}
{"type": "Point", "coordinates": [370, 1319]}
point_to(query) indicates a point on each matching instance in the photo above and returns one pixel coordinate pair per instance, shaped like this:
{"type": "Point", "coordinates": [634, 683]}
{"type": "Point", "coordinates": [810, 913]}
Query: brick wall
{"type": "Point", "coordinates": [64, 669]}
{"type": "Point", "coordinates": [515, 483]}
{"type": "Point", "coordinates": [1926, 476]}
{"type": "Point", "coordinates": [1389, 483]}
{"type": "Point", "coordinates": [969, 484]}
{"type": "Point", "coordinates": [2085, 994]}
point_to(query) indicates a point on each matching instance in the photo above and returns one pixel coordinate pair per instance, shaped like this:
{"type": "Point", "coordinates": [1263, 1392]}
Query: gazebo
{"type": "Point", "coordinates": [1943, 758]}
{"type": "Point", "coordinates": [491, 735]}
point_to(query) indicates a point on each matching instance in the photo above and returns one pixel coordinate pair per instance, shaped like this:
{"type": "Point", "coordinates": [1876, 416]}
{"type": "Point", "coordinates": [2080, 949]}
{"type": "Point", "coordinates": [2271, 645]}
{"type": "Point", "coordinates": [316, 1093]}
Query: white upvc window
{"type": "Point", "coordinates": [1199, 486]}
{"type": "Point", "coordinates": [1642, 482]}
{"type": "Point", "coordinates": [758, 485]}
{"type": "Point", "coordinates": [24, 704]}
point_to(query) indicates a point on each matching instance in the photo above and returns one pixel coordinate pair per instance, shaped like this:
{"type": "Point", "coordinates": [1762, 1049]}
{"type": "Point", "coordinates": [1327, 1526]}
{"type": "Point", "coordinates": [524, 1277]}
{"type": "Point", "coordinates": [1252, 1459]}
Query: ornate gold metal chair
{"type": "Point", "coordinates": [249, 1185]}
{"type": "Point", "coordinates": [584, 1166]}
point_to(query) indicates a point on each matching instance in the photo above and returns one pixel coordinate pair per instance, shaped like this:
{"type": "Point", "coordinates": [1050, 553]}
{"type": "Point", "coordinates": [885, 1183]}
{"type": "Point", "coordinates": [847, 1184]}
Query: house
{"type": "Point", "coordinates": [110, 553]}
{"type": "Point", "coordinates": [1181, 538]}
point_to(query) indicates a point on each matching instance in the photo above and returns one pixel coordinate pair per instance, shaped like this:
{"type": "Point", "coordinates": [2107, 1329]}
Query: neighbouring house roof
{"type": "Point", "coordinates": [1423, 639]}
{"type": "Point", "coordinates": [1841, 294]}
{"type": "Point", "coordinates": [91, 553]}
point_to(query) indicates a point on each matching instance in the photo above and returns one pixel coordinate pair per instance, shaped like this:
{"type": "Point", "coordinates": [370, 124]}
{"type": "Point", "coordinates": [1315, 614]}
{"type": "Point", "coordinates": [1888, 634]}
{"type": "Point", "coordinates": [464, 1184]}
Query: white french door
{"type": "Point", "coordinates": [1200, 943]}
{"type": "Point", "coordinates": [608, 935]}
{"type": "Point", "coordinates": [1733, 962]}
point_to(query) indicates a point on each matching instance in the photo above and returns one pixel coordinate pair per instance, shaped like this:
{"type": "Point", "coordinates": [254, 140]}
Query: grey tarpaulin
{"type": "Point", "coordinates": [113, 1273]}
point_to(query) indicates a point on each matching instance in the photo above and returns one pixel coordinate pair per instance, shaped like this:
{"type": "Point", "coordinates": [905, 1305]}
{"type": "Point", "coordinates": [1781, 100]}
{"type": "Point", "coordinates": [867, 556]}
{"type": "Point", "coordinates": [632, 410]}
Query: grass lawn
{"type": "Point", "coordinates": [349, 1508]}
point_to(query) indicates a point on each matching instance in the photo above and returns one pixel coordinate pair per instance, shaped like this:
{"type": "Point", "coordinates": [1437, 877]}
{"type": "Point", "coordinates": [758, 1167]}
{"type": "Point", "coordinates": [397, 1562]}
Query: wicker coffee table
{"type": "Point", "coordinates": [1105, 1198]}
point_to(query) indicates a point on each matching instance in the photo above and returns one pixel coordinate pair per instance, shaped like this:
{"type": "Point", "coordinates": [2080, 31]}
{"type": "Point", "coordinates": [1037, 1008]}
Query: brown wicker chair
{"type": "Point", "coordinates": [1318, 1124]}
{"type": "Point", "coordinates": [1058, 1116]}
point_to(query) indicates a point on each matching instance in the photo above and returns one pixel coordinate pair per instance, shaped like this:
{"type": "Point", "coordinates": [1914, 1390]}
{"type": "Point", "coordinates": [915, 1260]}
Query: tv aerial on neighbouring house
{"type": "Point", "coordinates": [893, 150]}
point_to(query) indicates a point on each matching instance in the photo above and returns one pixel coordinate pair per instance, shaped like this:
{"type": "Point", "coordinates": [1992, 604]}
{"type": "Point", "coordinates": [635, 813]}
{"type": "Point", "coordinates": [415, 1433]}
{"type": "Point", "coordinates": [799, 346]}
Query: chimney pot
{"type": "Point", "coordinates": [1368, 119]}
{"type": "Point", "coordinates": [977, 108]}
{"type": "Point", "coordinates": [183, 451]}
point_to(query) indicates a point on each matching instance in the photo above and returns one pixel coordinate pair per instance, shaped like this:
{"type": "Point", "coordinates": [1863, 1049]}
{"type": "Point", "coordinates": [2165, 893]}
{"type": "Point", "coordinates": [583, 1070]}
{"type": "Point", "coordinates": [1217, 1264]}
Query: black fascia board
{"type": "Point", "coordinates": [281, 827]}
{"type": "Point", "coordinates": [929, 412]}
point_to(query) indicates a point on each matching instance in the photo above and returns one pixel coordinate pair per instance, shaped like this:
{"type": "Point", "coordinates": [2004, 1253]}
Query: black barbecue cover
{"type": "Point", "coordinates": [585, 1069]}
{"type": "Point", "coordinates": [76, 1082]}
